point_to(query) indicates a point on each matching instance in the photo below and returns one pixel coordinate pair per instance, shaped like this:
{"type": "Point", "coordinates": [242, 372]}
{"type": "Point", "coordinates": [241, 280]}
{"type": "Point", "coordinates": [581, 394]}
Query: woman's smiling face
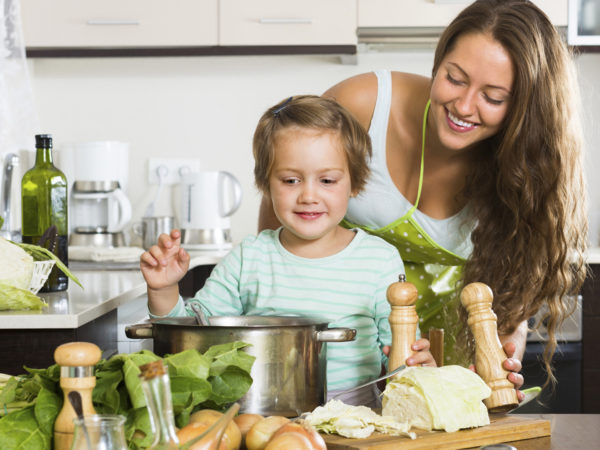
{"type": "Point", "coordinates": [471, 91]}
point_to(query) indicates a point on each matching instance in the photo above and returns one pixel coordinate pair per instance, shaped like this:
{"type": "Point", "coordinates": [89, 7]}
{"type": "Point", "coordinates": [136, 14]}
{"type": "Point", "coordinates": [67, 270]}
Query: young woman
{"type": "Point", "coordinates": [476, 173]}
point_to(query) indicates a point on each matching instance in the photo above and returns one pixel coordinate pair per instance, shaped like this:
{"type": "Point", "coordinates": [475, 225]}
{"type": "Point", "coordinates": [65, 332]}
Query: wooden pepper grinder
{"type": "Point", "coordinates": [489, 355]}
{"type": "Point", "coordinates": [402, 297]}
{"type": "Point", "coordinates": [76, 361]}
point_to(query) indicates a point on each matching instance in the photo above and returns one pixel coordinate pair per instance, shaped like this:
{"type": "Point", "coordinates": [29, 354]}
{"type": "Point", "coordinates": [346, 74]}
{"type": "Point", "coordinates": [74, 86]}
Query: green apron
{"type": "Point", "coordinates": [434, 271]}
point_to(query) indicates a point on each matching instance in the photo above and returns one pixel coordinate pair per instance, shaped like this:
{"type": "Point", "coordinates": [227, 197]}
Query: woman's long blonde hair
{"type": "Point", "coordinates": [527, 187]}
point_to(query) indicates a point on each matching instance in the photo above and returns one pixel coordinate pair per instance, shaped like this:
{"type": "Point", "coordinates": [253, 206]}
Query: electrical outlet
{"type": "Point", "coordinates": [170, 169]}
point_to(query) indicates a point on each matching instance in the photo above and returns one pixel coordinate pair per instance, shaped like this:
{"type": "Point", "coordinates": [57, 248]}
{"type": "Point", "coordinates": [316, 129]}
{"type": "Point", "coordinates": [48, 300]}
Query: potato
{"type": "Point", "coordinates": [261, 431]}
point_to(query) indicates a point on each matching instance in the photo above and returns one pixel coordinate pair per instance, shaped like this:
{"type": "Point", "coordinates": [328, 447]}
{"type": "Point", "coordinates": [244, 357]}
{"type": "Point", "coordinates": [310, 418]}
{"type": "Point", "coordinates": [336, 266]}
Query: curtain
{"type": "Point", "coordinates": [18, 117]}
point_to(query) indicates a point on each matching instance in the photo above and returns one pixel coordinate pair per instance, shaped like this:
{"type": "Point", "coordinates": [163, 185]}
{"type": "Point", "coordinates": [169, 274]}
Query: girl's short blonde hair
{"type": "Point", "coordinates": [316, 113]}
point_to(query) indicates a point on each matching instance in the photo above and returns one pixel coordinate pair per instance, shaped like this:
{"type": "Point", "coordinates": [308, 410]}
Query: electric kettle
{"type": "Point", "coordinates": [208, 200]}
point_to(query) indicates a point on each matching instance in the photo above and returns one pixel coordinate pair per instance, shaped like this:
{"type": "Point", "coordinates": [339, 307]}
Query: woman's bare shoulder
{"type": "Point", "coordinates": [358, 94]}
{"type": "Point", "coordinates": [408, 85]}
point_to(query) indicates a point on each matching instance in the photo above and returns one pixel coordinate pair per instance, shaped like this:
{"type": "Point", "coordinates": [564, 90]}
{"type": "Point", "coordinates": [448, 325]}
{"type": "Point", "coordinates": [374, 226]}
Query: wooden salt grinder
{"type": "Point", "coordinates": [76, 361]}
{"type": "Point", "coordinates": [489, 355]}
{"type": "Point", "coordinates": [402, 297]}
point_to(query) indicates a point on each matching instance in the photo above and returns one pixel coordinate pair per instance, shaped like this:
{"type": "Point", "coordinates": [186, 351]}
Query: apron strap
{"type": "Point", "coordinates": [410, 212]}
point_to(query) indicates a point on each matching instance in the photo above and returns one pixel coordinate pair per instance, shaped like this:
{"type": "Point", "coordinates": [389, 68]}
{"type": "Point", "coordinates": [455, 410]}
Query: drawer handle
{"type": "Point", "coordinates": [285, 20]}
{"type": "Point", "coordinates": [94, 22]}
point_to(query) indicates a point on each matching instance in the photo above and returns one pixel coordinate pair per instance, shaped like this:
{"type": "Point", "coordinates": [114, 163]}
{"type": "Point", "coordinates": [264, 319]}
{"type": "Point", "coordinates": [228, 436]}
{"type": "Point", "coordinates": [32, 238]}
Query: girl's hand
{"type": "Point", "coordinates": [513, 366]}
{"type": "Point", "coordinates": [164, 264]}
{"type": "Point", "coordinates": [422, 355]}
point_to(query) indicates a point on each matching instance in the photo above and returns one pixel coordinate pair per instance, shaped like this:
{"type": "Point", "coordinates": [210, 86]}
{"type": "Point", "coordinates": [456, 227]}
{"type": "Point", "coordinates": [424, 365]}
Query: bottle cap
{"type": "Point", "coordinates": [43, 141]}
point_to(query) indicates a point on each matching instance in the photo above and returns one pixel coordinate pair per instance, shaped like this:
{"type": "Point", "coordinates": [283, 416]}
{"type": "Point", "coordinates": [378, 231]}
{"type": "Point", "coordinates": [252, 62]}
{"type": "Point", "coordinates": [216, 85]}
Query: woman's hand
{"type": "Point", "coordinates": [164, 264]}
{"type": "Point", "coordinates": [513, 365]}
{"type": "Point", "coordinates": [422, 355]}
{"type": "Point", "coordinates": [514, 346]}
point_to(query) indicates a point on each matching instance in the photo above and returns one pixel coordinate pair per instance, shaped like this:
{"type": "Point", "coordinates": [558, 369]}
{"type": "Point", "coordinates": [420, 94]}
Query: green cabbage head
{"type": "Point", "coordinates": [16, 270]}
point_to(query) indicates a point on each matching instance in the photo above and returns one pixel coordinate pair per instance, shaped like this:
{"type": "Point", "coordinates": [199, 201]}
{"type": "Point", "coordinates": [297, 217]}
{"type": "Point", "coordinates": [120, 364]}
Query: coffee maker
{"type": "Point", "coordinates": [99, 210]}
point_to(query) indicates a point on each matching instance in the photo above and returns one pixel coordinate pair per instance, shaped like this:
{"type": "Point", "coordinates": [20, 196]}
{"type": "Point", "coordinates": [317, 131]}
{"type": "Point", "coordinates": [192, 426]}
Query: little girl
{"type": "Point", "coordinates": [310, 158]}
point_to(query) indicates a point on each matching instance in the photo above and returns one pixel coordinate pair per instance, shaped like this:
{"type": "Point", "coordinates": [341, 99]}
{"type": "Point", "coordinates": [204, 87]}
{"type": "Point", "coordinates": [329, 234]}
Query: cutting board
{"type": "Point", "coordinates": [502, 428]}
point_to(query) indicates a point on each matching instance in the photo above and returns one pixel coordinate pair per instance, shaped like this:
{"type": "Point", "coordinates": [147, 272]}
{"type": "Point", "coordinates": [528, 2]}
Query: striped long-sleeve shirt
{"type": "Point", "coordinates": [348, 289]}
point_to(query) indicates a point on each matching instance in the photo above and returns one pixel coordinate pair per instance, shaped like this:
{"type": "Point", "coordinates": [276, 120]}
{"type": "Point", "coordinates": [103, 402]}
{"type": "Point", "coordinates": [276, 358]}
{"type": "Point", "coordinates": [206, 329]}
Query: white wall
{"type": "Point", "coordinates": [200, 107]}
{"type": "Point", "coordinates": [207, 108]}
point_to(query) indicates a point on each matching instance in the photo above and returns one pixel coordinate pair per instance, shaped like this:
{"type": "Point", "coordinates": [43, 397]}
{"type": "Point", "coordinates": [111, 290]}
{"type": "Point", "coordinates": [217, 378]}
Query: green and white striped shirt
{"type": "Point", "coordinates": [348, 289]}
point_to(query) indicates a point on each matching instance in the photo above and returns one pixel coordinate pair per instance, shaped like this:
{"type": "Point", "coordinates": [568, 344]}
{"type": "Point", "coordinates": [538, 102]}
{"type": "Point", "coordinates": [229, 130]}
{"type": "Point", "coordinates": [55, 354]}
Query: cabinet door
{"type": "Point", "coordinates": [119, 23]}
{"type": "Point", "coordinates": [407, 13]}
{"type": "Point", "coordinates": [284, 22]}
{"type": "Point", "coordinates": [429, 13]}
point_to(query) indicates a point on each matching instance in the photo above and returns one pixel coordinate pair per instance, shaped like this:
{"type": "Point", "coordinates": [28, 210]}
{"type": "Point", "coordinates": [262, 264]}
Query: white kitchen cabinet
{"type": "Point", "coordinates": [285, 22]}
{"type": "Point", "coordinates": [429, 13]}
{"type": "Point", "coordinates": [119, 23]}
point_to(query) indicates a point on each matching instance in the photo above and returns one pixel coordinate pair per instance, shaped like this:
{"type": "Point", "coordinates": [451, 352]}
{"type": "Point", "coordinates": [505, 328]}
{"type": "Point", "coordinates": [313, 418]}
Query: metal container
{"type": "Point", "coordinates": [289, 373]}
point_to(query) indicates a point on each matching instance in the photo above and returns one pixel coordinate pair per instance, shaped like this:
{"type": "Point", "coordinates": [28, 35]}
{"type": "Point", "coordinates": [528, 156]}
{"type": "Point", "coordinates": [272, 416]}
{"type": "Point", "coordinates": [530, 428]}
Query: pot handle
{"type": "Point", "coordinates": [336, 335]}
{"type": "Point", "coordinates": [139, 331]}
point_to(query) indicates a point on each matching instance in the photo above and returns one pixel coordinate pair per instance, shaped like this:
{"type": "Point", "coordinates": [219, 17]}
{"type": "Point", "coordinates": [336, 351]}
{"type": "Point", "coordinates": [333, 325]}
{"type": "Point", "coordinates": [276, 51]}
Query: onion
{"type": "Point", "coordinates": [232, 437]}
{"type": "Point", "coordinates": [245, 422]}
{"type": "Point", "coordinates": [289, 440]}
{"type": "Point", "coordinates": [260, 433]}
{"type": "Point", "coordinates": [304, 428]}
{"type": "Point", "coordinates": [193, 430]}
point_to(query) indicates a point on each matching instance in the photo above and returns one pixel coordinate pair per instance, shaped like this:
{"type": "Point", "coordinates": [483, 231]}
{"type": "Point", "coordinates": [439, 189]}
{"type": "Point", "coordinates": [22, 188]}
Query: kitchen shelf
{"type": "Point", "coordinates": [116, 28]}
{"type": "Point", "coordinates": [238, 50]}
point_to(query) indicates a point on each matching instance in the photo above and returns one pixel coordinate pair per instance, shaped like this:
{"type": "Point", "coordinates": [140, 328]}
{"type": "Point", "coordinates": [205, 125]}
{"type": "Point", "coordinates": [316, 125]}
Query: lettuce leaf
{"type": "Point", "coordinates": [16, 299]}
{"type": "Point", "coordinates": [19, 430]}
{"type": "Point", "coordinates": [214, 379]}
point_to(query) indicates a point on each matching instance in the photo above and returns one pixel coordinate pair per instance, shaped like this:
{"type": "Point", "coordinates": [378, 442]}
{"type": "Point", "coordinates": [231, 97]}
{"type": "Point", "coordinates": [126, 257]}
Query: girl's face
{"type": "Point", "coordinates": [309, 185]}
{"type": "Point", "coordinates": [471, 92]}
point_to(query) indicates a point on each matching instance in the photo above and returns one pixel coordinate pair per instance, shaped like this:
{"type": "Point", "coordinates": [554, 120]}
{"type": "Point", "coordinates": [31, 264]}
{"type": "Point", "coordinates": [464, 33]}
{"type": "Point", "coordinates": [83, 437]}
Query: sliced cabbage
{"type": "Point", "coordinates": [440, 398]}
{"type": "Point", "coordinates": [16, 265]}
{"type": "Point", "coordinates": [358, 422]}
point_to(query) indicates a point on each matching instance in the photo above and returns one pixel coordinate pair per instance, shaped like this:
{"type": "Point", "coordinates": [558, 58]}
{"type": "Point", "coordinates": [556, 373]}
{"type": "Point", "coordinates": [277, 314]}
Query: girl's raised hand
{"type": "Point", "coordinates": [165, 263]}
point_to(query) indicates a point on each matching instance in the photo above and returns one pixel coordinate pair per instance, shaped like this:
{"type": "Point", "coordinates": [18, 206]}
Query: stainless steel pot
{"type": "Point", "coordinates": [289, 372]}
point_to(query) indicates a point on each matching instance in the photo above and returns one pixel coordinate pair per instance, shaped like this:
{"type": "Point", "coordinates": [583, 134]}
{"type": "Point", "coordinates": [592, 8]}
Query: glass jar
{"type": "Point", "coordinates": [99, 432]}
{"type": "Point", "coordinates": [157, 391]}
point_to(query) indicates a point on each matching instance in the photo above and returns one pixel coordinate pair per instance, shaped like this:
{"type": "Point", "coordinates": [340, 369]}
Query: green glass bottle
{"type": "Point", "coordinates": [44, 209]}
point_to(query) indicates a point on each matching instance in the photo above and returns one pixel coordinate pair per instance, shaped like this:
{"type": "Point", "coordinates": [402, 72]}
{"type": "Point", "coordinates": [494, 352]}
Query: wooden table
{"type": "Point", "coordinates": [568, 431]}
